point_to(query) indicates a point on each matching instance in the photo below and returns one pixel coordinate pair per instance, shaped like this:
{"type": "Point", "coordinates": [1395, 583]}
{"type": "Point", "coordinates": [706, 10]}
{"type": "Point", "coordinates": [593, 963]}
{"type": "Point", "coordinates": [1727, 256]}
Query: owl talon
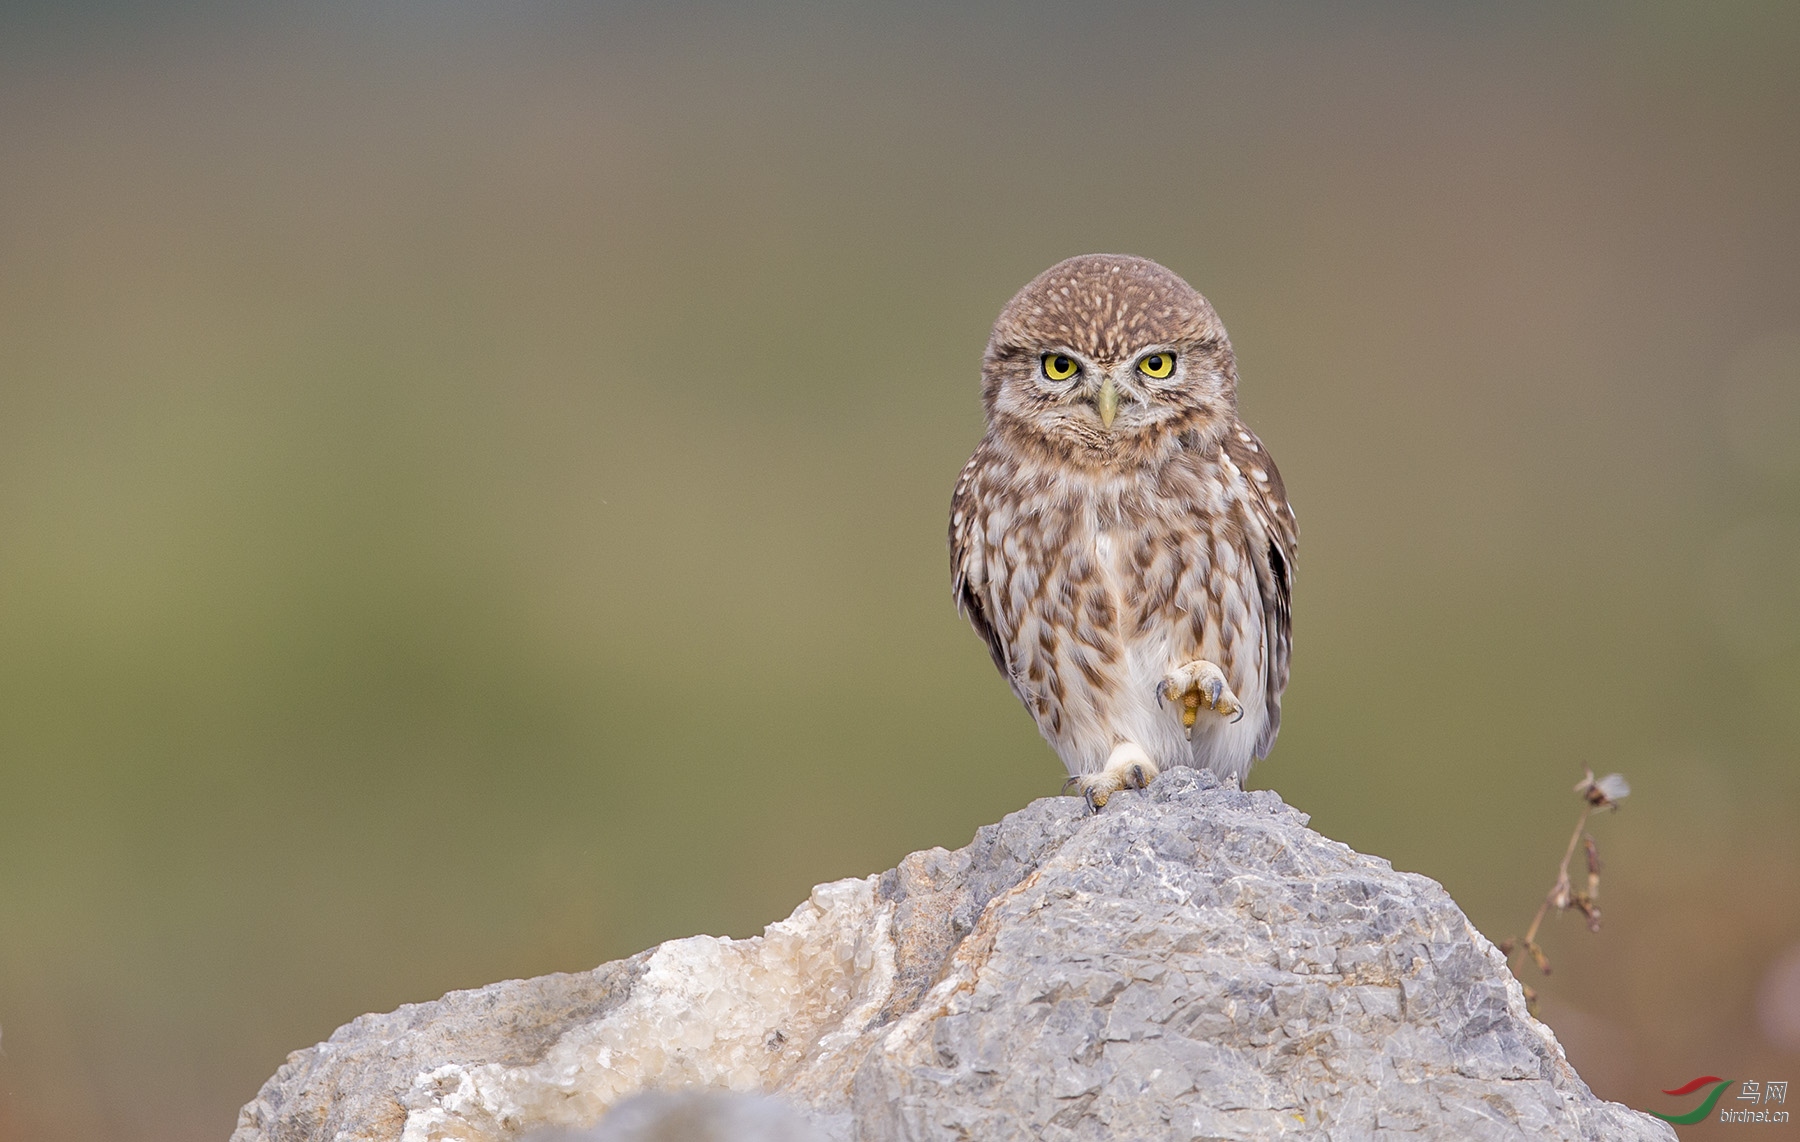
{"type": "Point", "coordinates": [1129, 767]}
{"type": "Point", "coordinates": [1196, 684]}
{"type": "Point", "coordinates": [1096, 788]}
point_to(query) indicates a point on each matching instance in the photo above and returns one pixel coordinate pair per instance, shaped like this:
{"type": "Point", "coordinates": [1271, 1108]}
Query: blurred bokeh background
{"type": "Point", "coordinates": [473, 482]}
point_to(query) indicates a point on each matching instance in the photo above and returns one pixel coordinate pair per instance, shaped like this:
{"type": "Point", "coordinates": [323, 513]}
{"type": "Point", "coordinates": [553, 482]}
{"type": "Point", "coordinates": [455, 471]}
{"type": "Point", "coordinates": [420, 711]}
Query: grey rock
{"type": "Point", "coordinates": [1191, 963]}
{"type": "Point", "coordinates": [692, 1116]}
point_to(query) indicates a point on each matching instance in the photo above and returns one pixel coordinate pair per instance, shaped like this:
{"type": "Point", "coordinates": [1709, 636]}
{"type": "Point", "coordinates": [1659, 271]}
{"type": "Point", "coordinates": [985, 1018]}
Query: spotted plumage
{"type": "Point", "coordinates": [1121, 540]}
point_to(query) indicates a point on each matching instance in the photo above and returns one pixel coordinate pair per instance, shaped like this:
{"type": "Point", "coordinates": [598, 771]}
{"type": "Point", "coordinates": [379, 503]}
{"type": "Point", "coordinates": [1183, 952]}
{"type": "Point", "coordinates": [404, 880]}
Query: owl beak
{"type": "Point", "coordinates": [1107, 403]}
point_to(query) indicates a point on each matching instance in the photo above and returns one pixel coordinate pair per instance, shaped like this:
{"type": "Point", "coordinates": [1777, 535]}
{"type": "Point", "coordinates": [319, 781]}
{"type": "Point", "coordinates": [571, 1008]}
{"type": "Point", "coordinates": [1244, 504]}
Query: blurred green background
{"type": "Point", "coordinates": [473, 482]}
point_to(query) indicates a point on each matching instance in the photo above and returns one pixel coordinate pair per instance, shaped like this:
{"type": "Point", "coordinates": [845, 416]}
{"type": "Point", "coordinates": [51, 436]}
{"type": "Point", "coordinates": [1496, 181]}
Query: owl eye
{"type": "Point", "coordinates": [1059, 367]}
{"type": "Point", "coordinates": [1157, 365]}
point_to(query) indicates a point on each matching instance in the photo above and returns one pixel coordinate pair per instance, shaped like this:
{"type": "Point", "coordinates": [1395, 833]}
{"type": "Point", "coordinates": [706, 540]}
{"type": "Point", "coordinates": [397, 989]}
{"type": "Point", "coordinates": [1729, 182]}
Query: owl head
{"type": "Point", "coordinates": [1108, 359]}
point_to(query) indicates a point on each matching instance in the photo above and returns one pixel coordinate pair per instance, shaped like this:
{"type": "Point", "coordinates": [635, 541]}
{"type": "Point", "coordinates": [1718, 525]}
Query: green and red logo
{"type": "Point", "coordinates": [1705, 1108]}
{"type": "Point", "coordinates": [1756, 1093]}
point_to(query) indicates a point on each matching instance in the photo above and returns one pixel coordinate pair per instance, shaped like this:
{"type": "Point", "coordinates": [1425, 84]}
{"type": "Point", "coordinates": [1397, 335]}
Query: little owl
{"type": "Point", "coordinates": [1120, 538]}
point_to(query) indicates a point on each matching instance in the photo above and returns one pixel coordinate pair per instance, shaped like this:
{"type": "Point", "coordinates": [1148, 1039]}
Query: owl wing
{"type": "Point", "coordinates": [968, 560]}
{"type": "Point", "coordinates": [1269, 505]}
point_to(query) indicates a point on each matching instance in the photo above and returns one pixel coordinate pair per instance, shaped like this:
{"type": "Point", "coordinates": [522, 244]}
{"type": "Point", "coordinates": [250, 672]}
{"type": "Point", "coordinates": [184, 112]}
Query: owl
{"type": "Point", "coordinates": [1120, 539]}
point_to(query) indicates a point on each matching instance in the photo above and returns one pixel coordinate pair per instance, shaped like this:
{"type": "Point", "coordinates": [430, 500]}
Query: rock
{"type": "Point", "coordinates": [692, 1116]}
{"type": "Point", "coordinates": [1193, 962]}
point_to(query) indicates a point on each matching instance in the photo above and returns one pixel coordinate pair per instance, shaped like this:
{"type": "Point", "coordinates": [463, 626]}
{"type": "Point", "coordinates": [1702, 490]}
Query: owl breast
{"type": "Point", "coordinates": [1095, 589]}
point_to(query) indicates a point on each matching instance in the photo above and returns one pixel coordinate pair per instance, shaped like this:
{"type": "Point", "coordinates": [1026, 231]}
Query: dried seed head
{"type": "Point", "coordinates": [1605, 793]}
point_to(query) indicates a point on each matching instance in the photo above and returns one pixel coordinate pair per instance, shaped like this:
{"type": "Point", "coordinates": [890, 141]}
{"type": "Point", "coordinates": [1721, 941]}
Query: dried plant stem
{"type": "Point", "coordinates": [1606, 793]}
{"type": "Point", "coordinates": [1559, 897]}
{"type": "Point", "coordinates": [1561, 887]}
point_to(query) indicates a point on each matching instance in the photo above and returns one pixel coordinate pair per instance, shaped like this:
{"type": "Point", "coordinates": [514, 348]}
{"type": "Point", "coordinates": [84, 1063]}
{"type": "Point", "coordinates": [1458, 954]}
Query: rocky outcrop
{"type": "Point", "coordinates": [1192, 962]}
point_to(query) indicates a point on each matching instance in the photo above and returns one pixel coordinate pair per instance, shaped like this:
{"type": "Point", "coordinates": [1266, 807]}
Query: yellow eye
{"type": "Point", "coordinates": [1157, 365]}
{"type": "Point", "coordinates": [1058, 367]}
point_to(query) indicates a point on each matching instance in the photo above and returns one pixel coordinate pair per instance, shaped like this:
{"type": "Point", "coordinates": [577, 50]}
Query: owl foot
{"type": "Point", "coordinates": [1196, 684]}
{"type": "Point", "coordinates": [1129, 767]}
